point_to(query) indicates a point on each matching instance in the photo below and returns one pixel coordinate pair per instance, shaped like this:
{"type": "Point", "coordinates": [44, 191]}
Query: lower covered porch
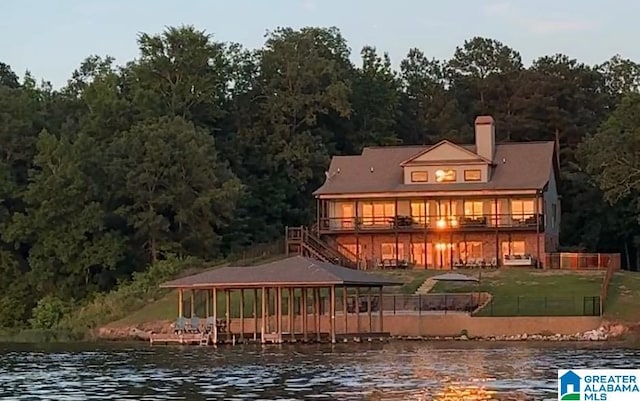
{"type": "Point", "coordinates": [446, 251]}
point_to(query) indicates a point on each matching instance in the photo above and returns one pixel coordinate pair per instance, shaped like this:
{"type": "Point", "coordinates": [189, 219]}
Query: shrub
{"type": "Point", "coordinates": [48, 313]}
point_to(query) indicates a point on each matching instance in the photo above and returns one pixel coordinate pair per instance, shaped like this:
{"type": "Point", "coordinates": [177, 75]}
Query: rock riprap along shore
{"type": "Point", "coordinates": [602, 333]}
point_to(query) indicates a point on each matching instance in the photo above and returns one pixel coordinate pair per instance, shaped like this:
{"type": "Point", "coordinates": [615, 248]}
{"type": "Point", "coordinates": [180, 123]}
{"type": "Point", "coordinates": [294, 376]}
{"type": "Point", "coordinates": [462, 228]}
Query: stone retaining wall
{"type": "Point", "coordinates": [437, 324]}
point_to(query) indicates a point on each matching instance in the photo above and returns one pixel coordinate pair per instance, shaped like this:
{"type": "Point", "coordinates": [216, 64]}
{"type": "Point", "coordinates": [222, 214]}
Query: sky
{"type": "Point", "coordinates": [50, 38]}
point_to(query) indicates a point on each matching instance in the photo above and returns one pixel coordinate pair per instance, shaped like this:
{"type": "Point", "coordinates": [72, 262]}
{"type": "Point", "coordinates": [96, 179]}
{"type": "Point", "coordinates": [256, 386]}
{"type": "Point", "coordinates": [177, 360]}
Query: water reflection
{"type": "Point", "coordinates": [396, 371]}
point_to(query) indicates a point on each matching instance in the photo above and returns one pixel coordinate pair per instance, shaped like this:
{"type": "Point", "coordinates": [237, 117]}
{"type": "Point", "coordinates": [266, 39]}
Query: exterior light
{"type": "Point", "coordinates": [439, 175]}
{"type": "Point", "coordinates": [454, 222]}
{"type": "Point", "coordinates": [441, 223]}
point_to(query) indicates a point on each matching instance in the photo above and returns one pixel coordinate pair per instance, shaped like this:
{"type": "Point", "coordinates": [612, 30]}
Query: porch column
{"type": "Point", "coordinates": [318, 214]}
{"type": "Point", "coordinates": [192, 306]}
{"type": "Point", "coordinates": [332, 307]}
{"type": "Point", "coordinates": [369, 310]}
{"type": "Point", "coordinates": [214, 300]}
{"type": "Point", "coordinates": [381, 310]}
{"type": "Point", "coordinates": [305, 314]}
{"type": "Point", "coordinates": [537, 211]}
{"type": "Point", "coordinates": [344, 308]}
{"type": "Point", "coordinates": [180, 303]}
{"type": "Point", "coordinates": [263, 321]}
{"type": "Point", "coordinates": [227, 293]}
{"type": "Point", "coordinates": [316, 312]}
{"type": "Point", "coordinates": [426, 228]}
{"type": "Point", "coordinates": [242, 315]}
{"type": "Point", "coordinates": [279, 311]}
{"type": "Point", "coordinates": [255, 314]}
{"type": "Point", "coordinates": [206, 304]}
{"type": "Point", "coordinates": [395, 224]}
{"type": "Point", "coordinates": [291, 312]}
{"type": "Point", "coordinates": [498, 256]}
{"type": "Point", "coordinates": [357, 307]}
{"type": "Point", "coordinates": [357, 228]}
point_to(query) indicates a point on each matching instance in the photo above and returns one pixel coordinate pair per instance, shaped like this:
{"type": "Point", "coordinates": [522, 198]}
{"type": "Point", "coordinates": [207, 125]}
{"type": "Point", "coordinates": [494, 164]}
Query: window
{"type": "Point", "coordinates": [419, 176]}
{"type": "Point", "coordinates": [522, 209]}
{"type": "Point", "coordinates": [418, 254]}
{"type": "Point", "coordinates": [446, 175]}
{"type": "Point", "coordinates": [473, 209]}
{"type": "Point", "coordinates": [419, 211]}
{"type": "Point", "coordinates": [513, 248]}
{"type": "Point", "coordinates": [347, 215]}
{"type": "Point", "coordinates": [378, 213]}
{"type": "Point", "coordinates": [447, 214]}
{"type": "Point", "coordinates": [472, 175]}
{"type": "Point", "coordinates": [388, 251]}
{"type": "Point", "coordinates": [470, 250]}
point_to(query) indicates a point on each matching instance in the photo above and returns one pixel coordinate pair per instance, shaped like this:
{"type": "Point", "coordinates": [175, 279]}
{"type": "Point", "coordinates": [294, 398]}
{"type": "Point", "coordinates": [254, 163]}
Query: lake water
{"type": "Point", "coordinates": [392, 371]}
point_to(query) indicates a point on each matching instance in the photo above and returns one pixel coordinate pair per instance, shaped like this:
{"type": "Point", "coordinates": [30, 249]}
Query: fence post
{"type": "Point", "coordinates": [446, 304]}
{"type": "Point", "coordinates": [394, 304]}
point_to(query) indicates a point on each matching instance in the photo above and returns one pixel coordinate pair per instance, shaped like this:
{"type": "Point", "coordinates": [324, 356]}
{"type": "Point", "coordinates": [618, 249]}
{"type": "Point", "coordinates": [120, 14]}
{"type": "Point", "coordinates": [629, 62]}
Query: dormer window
{"type": "Point", "coordinates": [419, 176]}
{"type": "Point", "coordinates": [472, 175]}
{"type": "Point", "coordinates": [448, 175]}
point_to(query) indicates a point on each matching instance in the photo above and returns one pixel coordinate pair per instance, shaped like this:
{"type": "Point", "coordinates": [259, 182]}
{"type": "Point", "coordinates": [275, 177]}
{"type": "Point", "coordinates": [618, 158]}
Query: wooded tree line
{"type": "Point", "coordinates": [199, 147]}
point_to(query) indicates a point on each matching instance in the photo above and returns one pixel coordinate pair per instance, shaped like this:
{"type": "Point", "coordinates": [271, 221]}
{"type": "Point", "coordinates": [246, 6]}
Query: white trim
{"type": "Point", "coordinates": [412, 159]}
{"type": "Point", "coordinates": [428, 194]}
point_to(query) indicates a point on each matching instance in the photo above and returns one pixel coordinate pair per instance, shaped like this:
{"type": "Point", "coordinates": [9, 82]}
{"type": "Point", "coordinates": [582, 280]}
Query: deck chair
{"type": "Point", "coordinates": [194, 325]}
{"type": "Point", "coordinates": [210, 324]}
{"type": "Point", "coordinates": [180, 325]}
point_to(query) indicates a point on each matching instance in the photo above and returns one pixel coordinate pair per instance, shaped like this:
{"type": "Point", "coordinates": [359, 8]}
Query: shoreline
{"type": "Point", "coordinates": [606, 332]}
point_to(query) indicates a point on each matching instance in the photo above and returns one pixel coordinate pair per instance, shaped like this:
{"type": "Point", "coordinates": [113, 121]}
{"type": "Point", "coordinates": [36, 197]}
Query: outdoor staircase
{"type": "Point", "coordinates": [307, 242]}
{"type": "Point", "coordinates": [426, 286]}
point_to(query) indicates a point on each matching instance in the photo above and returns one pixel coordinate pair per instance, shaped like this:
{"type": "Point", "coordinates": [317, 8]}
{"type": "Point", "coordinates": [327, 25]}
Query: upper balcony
{"type": "Point", "coordinates": [404, 223]}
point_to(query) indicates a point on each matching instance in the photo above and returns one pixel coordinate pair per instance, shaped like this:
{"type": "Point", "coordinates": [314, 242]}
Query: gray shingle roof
{"type": "Point", "coordinates": [527, 165]}
{"type": "Point", "coordinates": [295, 270]}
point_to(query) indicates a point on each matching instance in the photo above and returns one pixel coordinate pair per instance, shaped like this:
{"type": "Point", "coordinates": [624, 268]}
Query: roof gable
{"type": "Point", "coordinates": [444, 152]}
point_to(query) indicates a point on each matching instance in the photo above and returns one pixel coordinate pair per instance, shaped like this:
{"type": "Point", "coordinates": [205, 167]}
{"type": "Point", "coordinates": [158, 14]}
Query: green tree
{"type": "Point", "coordinates": [181, 72]}
{"type": "Point", "coordinates": [428, 112]}
{"type": "Point", "coordinates": [174, 191]}
{"type": "Point", "coordinates": [375, 101]}
{"type": "Point", "coordinates": [302, 84]}
{"type": "Point", "coordinates": [64, 221]}
{"type": "Point", "coordinates": [612, 154]}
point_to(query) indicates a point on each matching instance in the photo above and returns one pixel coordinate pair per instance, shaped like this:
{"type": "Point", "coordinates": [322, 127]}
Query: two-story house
{"type": "Point", "coordinates": [444, 205]}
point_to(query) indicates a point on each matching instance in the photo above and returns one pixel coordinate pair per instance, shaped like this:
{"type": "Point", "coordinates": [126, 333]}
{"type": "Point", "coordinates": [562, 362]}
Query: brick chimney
{"type": "Point", "coordinates": [485, 128]}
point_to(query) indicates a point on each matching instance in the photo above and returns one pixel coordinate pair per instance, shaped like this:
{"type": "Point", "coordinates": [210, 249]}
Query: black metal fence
{"type": "Point", "coordinates": [542, 306]}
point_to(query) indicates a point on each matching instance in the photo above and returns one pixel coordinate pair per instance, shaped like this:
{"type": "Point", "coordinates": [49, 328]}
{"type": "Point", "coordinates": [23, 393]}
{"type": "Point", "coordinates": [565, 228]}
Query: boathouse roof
{"type": "Point", "coordinates": [294, 271]}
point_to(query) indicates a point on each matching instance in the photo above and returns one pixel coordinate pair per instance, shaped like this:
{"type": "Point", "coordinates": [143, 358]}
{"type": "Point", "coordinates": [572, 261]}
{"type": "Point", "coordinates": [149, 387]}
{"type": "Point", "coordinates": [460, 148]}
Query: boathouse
{"type": "Point", "coordinates": [289, 300]}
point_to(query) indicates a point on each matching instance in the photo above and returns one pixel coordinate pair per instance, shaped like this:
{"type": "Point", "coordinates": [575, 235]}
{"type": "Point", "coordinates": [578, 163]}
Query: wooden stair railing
{"type": "Point", "coordinates": [300, 239]}
{"type": "Point", "coordinates": [343, 250]}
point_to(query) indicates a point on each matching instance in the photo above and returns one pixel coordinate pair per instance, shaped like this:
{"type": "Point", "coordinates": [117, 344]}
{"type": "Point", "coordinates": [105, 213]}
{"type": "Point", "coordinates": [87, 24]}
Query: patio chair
{"type": "Point", "coordinates": [210, 324]}
{"type": "Point", "coordinates": [194, 325]}
{"type": "Point", "coordinates": [180, 325]}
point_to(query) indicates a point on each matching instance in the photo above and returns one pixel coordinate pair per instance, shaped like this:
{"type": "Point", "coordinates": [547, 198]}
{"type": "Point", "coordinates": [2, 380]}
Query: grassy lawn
{"type": "Point", "coordinates": [530, 292]}
{"type": "Point", "coordinates": [622, 301]}
{"type": "Point", "coordinates": [412, 279]}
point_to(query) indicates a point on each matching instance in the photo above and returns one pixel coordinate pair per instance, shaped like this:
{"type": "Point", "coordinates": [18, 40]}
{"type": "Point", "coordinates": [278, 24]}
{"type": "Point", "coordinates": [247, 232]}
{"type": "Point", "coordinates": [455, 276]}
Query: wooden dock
{"type": "Point", "coordinates": [206, 339]}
